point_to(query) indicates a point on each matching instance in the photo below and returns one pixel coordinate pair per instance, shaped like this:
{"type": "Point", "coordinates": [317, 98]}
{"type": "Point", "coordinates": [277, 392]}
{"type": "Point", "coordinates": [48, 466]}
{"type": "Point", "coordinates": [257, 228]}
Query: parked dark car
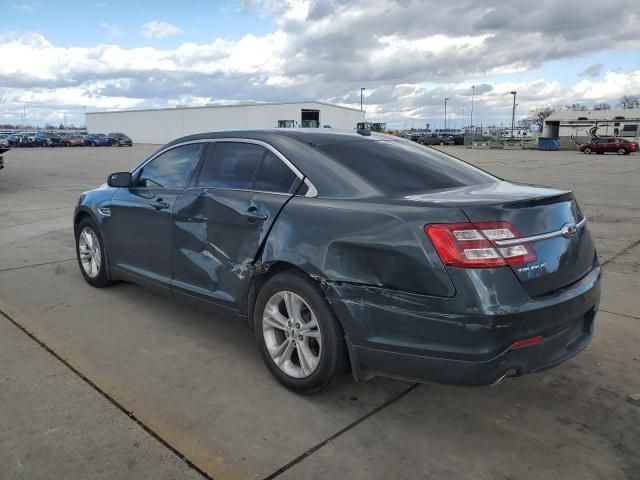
{"type": "Point", "coordinates": [47, 139]}
{"type": "Point", "coordinates": [620, 146]}
{"type": "Point", "coordinates": [21, 140]}
{"type": "Point", "coordinates": [97, 140]}
{"type": "Point", "coordinates": [434, 139]}
{"type": "Point", "coordinates": [345, 250]}
{"type": "Point", "coordinates": [120, 140]}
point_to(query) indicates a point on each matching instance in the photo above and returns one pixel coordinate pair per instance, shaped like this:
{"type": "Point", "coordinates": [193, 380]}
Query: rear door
{"type": "Point", "coordinates": [221, 222]}
{"type": "Point", "coordinates": [610, 145]}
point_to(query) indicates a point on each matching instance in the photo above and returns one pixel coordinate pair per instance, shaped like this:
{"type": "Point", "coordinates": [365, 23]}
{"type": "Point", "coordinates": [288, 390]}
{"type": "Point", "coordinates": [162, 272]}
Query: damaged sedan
{"type": "Point", "coordinates": [345, 251]}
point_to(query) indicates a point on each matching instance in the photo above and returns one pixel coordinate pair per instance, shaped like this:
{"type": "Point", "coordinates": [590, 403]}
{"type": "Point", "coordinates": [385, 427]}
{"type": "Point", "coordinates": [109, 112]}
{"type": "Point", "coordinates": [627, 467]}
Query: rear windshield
{"type": "Point", "coordinates": [404, 167]}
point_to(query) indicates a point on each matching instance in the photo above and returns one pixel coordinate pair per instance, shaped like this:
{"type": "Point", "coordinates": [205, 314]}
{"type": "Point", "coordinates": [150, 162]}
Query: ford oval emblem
{"type": "Point", "coordinates": [569, 230]}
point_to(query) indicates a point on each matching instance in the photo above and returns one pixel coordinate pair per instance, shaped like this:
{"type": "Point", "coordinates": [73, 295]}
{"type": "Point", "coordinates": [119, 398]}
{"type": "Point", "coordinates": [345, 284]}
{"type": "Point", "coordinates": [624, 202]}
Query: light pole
{"type": "Point", "coordinates": [473, 91]}
{"type": "Point", "coordinates": [361, 90]}
{"type": "Point", "coordinates": [462, 108]}
{"type": "Point", "coordinates": [513, 113]}
{"type": "Point", "coordinates": [445, 112]}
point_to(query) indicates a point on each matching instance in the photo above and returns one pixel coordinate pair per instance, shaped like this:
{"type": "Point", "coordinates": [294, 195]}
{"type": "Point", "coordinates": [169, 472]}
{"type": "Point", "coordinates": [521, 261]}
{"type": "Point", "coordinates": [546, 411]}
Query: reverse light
{"type": "Point", "coordinates": [473, 244]}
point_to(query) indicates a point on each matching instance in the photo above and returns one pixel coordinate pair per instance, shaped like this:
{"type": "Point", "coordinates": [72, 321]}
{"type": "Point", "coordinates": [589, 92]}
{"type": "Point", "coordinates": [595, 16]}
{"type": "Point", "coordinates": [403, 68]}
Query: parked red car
{"type": "Point", "coordinates": [620, 146]}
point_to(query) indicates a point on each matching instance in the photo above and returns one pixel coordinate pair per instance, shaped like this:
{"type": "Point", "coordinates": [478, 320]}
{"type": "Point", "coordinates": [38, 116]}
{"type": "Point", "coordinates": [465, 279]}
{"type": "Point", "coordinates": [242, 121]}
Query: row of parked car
{"type": "Point", "coordinates": [53, 139]}
{"type": "Point", "coordinates": [436, 138]}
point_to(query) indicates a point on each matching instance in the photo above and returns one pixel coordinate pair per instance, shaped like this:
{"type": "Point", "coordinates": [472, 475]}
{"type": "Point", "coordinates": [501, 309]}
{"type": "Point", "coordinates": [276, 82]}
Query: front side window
{"type": "Point", "coordinates": [170, 169]}
{"type": "Point", "coordinates": [232, 165]}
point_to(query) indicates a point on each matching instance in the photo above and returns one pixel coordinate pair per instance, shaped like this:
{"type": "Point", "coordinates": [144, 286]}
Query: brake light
{"type": "Point", "coordinates": [473, 244]}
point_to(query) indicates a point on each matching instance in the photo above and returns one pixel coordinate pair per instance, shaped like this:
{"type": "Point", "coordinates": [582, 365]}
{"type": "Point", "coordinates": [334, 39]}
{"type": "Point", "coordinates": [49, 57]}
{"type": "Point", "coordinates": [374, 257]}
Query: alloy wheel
{"type": "Point", "coordinates": [621, 151]}
{"type": "Point", "coordinates": [292, 334]}
{"type": "Point", "coordinates": [89, 252]}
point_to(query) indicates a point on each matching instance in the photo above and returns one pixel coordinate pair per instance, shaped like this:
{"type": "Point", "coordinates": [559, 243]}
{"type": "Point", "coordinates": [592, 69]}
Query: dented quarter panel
{"type": "Point", "coordinates": [362, 242]}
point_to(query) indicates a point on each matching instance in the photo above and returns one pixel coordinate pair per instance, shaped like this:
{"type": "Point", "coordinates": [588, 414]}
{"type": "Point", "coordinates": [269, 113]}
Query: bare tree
{"type": "Point", "coordinates": [538, 115]}
{"type": "Point", "coordinates": [630, 101]}
{"type": "Point", "coordinates": [602, 106]}
{"type": "Point", "coordinates": [576, 107]}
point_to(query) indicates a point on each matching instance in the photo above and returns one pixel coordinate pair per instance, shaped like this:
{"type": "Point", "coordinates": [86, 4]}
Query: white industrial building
{"type": "Point", "coordinates": [580, 125]}
{"type": "Point", "coordinates": [163, 125]}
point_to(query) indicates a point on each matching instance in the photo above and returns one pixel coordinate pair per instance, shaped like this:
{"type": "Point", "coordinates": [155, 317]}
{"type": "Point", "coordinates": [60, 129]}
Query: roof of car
{"type": "Point", "coordinates": [308, 135]}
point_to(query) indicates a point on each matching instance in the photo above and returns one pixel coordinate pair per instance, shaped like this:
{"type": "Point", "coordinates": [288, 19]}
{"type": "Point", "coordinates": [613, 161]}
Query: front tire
{"type": "Point", "coordinates": [298, 335]}
{"type": "Point", "coordinates": [91, 254]}
{"type": "Point", "coordinates": [622, 151]}
{"type": "Point", "coordinates": [587, 151]}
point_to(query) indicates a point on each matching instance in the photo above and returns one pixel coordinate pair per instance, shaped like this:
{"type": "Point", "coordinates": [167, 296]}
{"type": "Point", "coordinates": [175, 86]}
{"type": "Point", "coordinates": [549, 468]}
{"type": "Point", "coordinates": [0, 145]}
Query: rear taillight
{"type": "Point", "coordinates": [473, 244]}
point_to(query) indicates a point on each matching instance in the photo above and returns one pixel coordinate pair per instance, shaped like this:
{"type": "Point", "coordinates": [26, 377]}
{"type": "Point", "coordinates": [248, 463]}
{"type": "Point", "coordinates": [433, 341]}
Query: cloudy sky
{"type": "Point", "coordinates": [62, 57]}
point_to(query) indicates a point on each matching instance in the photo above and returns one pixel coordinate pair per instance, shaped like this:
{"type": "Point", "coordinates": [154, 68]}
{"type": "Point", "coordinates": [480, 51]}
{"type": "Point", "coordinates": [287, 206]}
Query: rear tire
{"type": "Point", "coordinates": [303, 348]}
{"type": "Point", "coordinates": [622, 151]}
{"type": "Point", "coordinates": [587, 151]}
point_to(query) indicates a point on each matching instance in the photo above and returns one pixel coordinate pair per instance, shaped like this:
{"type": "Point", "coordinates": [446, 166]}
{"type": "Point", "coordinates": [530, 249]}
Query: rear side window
{"type": "Point", "coordinates": [402, 167]}
{"type": "Point", "coordinates": [170, 169]}
{"type": "Point", "coordinates": [232, 165]}
{"type": "Point", "coordinates": [274, 175]}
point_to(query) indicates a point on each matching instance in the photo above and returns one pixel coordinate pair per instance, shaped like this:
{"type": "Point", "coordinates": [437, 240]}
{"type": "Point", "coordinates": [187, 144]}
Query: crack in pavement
{"type": "Point", "coordinates": [620, 314]}
{"type": "Point", "coordinates": [36, 265]}
{"type": "Point", "coordinates": [109, 398]}
{"type": "Point", "coordinates": [621, 252]}
{"type": "Point", "coordinates": [353, 424]}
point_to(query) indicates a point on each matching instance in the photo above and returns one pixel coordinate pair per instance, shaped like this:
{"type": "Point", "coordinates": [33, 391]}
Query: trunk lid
{"type": "Point", "coordinates": [537, 212]}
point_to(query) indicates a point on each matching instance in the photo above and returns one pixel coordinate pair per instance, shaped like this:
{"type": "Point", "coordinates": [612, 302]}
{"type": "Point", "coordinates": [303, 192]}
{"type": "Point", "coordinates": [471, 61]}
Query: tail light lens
{"type": "Point", "coordinates": [473, 244]}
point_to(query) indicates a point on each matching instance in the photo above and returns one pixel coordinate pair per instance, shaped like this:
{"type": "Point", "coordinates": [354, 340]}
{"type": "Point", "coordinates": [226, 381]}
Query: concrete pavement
{"type": "Point", "coordinates": [197, 391]}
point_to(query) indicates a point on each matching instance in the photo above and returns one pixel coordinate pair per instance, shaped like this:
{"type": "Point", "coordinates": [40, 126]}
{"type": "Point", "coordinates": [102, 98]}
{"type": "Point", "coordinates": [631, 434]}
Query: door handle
{"type": "Point", "coordinates": [159, 204]}
{"type": "Point", "coordinates": [252, 214]}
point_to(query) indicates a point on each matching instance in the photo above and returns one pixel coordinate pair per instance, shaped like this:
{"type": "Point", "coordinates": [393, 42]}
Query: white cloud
{"type": "Point", "coordinates": [327, 50]}
{"type": "Point", "coordinates": [157, 29]}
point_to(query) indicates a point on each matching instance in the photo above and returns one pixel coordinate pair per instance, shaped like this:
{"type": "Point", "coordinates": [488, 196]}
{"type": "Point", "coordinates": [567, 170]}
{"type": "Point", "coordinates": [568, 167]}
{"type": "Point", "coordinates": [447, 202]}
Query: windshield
{"type": "Point", "coordinates": [402, 167]}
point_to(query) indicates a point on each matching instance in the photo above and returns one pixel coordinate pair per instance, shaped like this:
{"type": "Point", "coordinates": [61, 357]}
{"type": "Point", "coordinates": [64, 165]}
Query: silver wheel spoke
{"type": "Point", "coordinates": [286, 355]}
{"type": "Point", "coordinates": [274, 318]}
{"type": "Point", "coordinates": [307, 359]}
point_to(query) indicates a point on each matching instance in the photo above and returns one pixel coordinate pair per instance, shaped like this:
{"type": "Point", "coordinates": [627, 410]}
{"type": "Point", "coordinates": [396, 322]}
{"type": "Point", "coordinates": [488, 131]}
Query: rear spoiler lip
{"type": "Point", "coordinates": [564, 196]}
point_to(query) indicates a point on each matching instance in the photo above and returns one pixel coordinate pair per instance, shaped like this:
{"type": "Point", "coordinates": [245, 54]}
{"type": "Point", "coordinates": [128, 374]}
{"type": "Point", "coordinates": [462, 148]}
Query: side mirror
{"type": "Point", "coordinates": [120, 179]}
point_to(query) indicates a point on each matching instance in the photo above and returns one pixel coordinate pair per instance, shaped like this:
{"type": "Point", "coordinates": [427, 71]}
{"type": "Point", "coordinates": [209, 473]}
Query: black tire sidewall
{"type": "Point", "coordinates": [332, 359]}
{"type": "Point", "coordinates": [103, 277]}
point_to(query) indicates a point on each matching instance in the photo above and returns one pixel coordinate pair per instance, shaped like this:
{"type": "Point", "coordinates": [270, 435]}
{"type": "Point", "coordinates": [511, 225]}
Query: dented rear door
{"type": "Point", "coordinates": [221, 222]}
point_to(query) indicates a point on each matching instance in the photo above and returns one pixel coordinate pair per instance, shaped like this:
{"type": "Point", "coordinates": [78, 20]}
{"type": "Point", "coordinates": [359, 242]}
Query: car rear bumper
{"type": "Point", "coordinates": [388, 335]}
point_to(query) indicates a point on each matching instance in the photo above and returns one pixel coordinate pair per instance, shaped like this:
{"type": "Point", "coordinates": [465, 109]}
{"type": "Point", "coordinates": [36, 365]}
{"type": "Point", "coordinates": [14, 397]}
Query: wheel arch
{"type": "Point", "coordinates": [262, 273]}
{"type": "Point", "coordinates": [80, 215]}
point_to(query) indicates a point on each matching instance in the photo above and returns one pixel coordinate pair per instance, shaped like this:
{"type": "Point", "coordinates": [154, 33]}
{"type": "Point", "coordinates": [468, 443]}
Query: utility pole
{"type": "Point", "coordinates": [445, 112]}
{"type": "Point", "coordinates": [473, 90]}
{"type": "Point", "coordinates": [463, 117]}
{"type": "Point", "coordinates": [361, 90]}
{"type": "Point", "coordinates": [513, 113]}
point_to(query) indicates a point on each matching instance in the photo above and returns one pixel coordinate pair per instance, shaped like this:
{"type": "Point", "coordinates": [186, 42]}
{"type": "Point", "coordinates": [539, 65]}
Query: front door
{"type": "Point", "coordinates": [221, 223]}
{"type": "Point", "coordinates": [141, 222]}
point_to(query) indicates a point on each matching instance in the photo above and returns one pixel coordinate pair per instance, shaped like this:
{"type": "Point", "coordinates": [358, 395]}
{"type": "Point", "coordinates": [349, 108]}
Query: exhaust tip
{"type": "Point", "coordinates": [512, 372]}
